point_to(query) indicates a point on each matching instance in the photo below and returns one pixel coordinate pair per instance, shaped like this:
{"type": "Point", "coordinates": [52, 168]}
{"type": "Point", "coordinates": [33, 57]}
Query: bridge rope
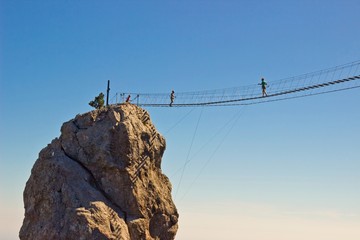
{"type": "Point", "coordinates": [188, 155]}
{"type": "Point", "coordinates": [339, 78]}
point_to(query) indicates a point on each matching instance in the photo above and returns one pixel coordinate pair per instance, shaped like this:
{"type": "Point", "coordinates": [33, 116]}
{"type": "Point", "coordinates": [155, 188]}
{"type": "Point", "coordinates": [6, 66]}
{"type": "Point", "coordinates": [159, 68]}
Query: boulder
{"type": "Point", "coordinates": [101, 179]}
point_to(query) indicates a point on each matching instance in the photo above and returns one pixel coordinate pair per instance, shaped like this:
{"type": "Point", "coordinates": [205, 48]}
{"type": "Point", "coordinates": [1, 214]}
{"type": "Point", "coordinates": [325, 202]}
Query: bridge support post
{"type": "Point", "coordinates": [107, 93]}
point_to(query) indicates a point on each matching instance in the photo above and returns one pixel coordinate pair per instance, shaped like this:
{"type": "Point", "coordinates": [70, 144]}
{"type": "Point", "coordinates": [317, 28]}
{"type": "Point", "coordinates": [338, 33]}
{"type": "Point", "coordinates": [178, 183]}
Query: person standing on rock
{"type": "Point", "coordinates": [172, 97]}
{"type": "Point", "coordinates": [128, 99]}
{"type": "Point", "coordinates": [263, 87]}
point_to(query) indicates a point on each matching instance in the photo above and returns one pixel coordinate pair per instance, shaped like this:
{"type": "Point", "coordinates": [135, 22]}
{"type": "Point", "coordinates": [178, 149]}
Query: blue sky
{"type": "Point", "coordinates": [283, 170]}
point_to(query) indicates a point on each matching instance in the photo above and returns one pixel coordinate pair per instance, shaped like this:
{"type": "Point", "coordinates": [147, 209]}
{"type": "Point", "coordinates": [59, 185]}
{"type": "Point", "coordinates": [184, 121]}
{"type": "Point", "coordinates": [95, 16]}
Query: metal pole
{"type": "Point", "coordinates": [107, 93]}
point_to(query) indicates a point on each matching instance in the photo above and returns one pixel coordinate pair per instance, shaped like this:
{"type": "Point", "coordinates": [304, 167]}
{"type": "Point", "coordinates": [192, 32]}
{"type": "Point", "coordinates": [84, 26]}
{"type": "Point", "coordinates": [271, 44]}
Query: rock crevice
{"type": "Point", "coordinates": [95, 184]}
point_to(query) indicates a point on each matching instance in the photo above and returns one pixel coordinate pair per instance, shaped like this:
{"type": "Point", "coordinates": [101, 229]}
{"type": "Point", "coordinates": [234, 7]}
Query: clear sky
{"type": "Point", "coordinates": [275, 171]}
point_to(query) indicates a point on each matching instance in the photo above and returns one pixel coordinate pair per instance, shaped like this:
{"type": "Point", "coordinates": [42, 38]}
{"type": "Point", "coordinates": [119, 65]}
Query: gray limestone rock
{"type": "Point", "coordinates": [101, 179]}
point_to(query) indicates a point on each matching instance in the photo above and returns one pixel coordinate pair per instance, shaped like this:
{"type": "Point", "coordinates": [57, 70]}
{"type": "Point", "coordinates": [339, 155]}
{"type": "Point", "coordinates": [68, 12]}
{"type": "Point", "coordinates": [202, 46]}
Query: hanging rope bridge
{"type": "Point", "coordinates": [339, 78]}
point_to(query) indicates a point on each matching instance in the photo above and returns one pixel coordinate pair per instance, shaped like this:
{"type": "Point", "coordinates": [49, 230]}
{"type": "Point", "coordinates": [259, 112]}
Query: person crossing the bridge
{"type": "Point", "coordinates": [172, 97]}
{"type": "Point", "coordinates": [263, 87]}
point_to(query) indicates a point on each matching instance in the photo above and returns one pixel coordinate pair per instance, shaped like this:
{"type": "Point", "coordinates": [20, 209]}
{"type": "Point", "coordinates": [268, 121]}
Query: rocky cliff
{"type": "Point", "coordinates": [101, 179]}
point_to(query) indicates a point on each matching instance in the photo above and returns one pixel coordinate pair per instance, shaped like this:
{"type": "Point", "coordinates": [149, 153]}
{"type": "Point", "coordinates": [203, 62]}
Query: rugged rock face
{"type": "Point", "coordinates": [101, 179]}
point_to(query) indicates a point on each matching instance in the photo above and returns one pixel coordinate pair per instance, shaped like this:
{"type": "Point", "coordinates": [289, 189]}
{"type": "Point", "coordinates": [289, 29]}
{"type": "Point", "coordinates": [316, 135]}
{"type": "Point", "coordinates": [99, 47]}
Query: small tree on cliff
{"type": "Point", "coordinates": [98, 102]}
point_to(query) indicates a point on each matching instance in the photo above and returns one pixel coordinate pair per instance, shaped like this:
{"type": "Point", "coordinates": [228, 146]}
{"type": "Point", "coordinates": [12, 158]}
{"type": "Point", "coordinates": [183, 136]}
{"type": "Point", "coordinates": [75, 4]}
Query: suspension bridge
{"type": "Point", "coordinates": [339, 78]}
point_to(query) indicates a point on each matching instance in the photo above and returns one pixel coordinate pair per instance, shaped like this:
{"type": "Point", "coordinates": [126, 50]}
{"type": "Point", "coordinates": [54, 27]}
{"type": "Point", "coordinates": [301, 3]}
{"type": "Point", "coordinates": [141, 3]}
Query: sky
{"type": "Point", "coordinates": [275, 171]}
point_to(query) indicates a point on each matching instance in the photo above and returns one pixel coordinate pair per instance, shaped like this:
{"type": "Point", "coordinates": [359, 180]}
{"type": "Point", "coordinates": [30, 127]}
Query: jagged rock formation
{"type": "Point", "coordinates": [101, 179]}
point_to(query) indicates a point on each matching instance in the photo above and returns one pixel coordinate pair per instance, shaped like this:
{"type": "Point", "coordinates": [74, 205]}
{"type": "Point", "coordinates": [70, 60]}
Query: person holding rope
{"type": "Point", "coordinates": [263, 87]}
{"type": "Point", "coordinates": [172, 97]}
